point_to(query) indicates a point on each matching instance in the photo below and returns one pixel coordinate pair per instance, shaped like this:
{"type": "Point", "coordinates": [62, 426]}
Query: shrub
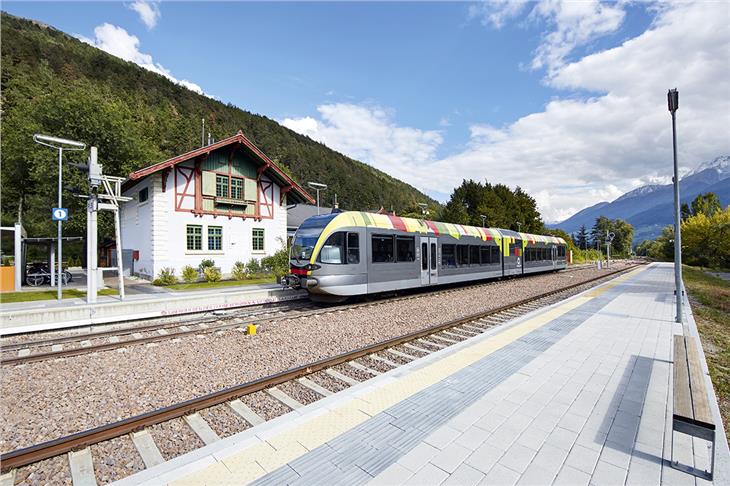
{"type": "Point", "coordinates": [212, 274]}
{"type": "Point", "coordinates": [239, 271]}
{"type": "Point", "coordinates": [278, 263]}
{"type": "Point", "coordinates": [189, 274]}
{"type": "Point", "coordinates": [166, 277]}
{"type": "Point", "coordinates": [253, 268]}
{"type": "Point", "coordinates": [206, 264]}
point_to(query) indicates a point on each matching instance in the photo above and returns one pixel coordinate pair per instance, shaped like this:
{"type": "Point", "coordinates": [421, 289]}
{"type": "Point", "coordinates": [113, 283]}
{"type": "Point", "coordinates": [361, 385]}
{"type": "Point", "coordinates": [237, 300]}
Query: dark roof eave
{"type": "Point", "coordinates": [272, 170]}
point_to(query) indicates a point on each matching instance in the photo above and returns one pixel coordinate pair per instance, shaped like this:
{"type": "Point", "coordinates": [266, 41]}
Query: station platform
{"type": "Point", "coordinates": [577, 393]}
{"type": "Point", "coordinates": [53, 314]}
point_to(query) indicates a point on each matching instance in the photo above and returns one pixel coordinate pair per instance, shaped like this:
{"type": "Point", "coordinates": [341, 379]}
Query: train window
{"type": "Point", "coordinates": [333, 250]}
{"type": "Point", "coordinates": [448, 255]}
{"type": "Point", "coordinates": [382, 249]}
{"type": "Point", "coordinates": [545, 252]}
{"type": "Point", "coordinates": [485, 254]}
{"type": "Point", "coordinates": [528, 254]}
{"type": "Point", "coordinates": [495, 255]}
{"type": "Point", "coordinates": [424, 256]}
{"type": "Point", "coordinates": [353, 248]}
{"type": "Point", "coordinates": [462, 254]}
{"type": "Point", "coordinates": [474, 254]}
{"type": "Point", "coordinates": [405, 248]}
{"type": "Point", "coordinates": [433, 256]}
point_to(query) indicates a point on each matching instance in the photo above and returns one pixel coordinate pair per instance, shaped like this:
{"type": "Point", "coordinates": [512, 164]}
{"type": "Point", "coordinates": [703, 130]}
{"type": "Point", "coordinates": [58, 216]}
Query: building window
{"type": "Point", "coordinates": [221, 186]}
{"type": "Point", "coordinates": [353, 248]}
{"type": "Point", "coordinates": [236, 188]}
{"type": "Point", "coordinates": [382, 248]}
{"type": "Point", "coordinates": [143, 195]}
{"type": "Point", "coordinates": [405, 247]}
{"type": "Point", "coordinates": [195, 237]}
{"type": "Point", "coordinates": [215, 238]}
{"type": "Point", "coordinates": [257, 239]}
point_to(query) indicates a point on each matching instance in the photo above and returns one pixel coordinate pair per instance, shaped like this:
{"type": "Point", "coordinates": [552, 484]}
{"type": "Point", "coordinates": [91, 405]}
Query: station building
{"type": "Point", "coordinates": [226, 202]}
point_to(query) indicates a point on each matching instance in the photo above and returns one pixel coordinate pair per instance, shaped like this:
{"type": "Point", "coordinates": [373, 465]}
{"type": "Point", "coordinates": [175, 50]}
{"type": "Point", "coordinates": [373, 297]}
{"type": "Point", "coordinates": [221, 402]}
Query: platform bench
{"type": "Point", "coordinates": [692, 414]}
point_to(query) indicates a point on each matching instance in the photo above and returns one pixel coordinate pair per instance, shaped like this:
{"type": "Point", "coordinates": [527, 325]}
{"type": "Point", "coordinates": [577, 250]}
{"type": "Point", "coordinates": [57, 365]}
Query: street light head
{"type": "Point", "coordinates": [673, 100]}
{"type": "Point", "coordinates": [57, 142]}
{"type": "Point", "coordinates": [317, 185]}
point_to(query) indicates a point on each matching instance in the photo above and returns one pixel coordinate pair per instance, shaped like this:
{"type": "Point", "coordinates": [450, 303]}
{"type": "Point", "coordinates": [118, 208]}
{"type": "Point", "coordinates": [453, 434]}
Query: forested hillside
{"type": "Point", "coordinates": [53, 83]}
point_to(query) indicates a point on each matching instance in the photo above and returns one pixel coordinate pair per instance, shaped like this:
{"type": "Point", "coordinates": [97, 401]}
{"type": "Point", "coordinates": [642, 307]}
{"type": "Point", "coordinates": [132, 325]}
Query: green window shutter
{"type": "Point", "coordinates": [208, 183]}
{"type": "Point", "coordinates": [250, 190]}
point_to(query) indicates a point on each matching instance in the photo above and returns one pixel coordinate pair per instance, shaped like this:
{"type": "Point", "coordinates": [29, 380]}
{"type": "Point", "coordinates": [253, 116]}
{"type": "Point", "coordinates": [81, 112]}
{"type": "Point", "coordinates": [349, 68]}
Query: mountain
{"type": "Point", "coordinates": [53, 83]}
{"type": "Point", "coordinates": [650, 208]}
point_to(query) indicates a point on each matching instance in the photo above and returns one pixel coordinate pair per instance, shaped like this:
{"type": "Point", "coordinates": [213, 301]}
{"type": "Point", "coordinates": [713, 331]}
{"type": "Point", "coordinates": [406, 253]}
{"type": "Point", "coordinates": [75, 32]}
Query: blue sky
{"type": "Point", "coordinates": [419, 90]}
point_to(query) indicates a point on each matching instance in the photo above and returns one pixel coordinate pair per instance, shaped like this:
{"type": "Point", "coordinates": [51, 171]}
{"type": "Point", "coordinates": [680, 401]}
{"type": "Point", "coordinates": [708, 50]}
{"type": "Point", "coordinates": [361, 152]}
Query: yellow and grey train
{"type": "Point", "coordinates": [345, 254]}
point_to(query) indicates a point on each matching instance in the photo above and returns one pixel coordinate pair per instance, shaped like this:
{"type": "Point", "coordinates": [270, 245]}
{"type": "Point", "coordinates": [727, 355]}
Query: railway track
{"type": "Point", "coordinates": [20, 353]}
{"type": "Point", "coordinates": [386, 355]}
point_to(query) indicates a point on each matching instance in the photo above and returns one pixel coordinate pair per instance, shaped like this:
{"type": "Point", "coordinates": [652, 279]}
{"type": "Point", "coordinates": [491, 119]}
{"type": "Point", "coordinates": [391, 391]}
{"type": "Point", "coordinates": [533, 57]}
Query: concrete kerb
{"type": "Point", "coordinates": [15, 322]}
{"type": "Point", "coordinates": [186, 464]}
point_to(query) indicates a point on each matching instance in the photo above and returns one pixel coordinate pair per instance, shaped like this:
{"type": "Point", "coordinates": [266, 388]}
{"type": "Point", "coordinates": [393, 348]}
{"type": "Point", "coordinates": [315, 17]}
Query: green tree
{"type": "Point", "coordinates": [503, 207]}
{"type": "Point", "coordinates": [707, 204]}
{"type": "Point", "coordinates": [623, 235]}
{"type": "Point", "coordinates": [581, 240]}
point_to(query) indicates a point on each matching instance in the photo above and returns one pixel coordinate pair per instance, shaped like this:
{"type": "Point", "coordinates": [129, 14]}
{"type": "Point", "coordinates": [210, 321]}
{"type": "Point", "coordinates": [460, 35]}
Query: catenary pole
{"type": "Point", "coordinates": [673, 101]}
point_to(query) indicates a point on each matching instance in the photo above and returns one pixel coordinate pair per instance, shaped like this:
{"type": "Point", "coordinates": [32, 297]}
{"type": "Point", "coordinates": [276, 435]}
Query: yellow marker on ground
{"type": "Point", "coordinates": [251, 329]}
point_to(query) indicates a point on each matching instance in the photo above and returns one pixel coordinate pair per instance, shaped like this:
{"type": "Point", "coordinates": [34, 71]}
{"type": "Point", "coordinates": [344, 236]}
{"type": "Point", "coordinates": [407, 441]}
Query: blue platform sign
{"type": "Point", "coordinates": [60, 214]}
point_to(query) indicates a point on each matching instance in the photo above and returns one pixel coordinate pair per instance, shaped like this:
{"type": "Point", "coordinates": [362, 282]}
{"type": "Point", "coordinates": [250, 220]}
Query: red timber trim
{"type": "Point", "coordinates": [432, 226]}
{"type": "Point", "coordinates": [165, 173]}
{"type": "Point", "coordinates": [397, 223]}
{"type": "Point", "coordinates": [238, 138]}
{"type": "Point", "coordinates": [283, 191]}
{"type": "Point", "coordinates": [199, 184]}
{"type": "Point", "coordinates": [188, 174]}
{"type": "Point", "coordinates": [265, 187]}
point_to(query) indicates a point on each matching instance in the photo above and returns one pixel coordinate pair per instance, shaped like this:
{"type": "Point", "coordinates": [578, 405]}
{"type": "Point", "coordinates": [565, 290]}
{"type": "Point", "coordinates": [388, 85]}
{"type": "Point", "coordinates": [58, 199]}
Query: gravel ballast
{"type": "Point", "coordinates": [48, 399]}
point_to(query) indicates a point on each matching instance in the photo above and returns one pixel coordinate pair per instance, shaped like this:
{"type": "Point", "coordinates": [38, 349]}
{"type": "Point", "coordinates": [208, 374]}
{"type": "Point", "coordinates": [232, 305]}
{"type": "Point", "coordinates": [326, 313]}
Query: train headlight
{"type": "Point", "coordinates": [313, 266]}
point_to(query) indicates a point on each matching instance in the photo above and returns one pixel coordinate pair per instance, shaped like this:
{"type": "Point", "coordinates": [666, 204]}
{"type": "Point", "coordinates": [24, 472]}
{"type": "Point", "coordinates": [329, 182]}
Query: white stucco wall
{"type": "Point", "coordinates": [159, 232]}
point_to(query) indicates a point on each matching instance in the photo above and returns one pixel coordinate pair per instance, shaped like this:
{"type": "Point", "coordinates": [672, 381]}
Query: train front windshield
{"type": "Point", "coordinates": [307, 235]}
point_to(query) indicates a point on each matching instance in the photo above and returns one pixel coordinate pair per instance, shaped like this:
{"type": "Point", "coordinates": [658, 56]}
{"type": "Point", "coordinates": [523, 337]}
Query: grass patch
{"type": "Point", "coordinates": [710, 300]}
{"type": "Point", "coordinates": [221, 283]}
{"type": "Point", "coordinates": [10, 297]}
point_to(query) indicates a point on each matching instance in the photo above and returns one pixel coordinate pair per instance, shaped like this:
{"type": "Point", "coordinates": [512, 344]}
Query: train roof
{"type": "Point", "coordinates": [349, 219]}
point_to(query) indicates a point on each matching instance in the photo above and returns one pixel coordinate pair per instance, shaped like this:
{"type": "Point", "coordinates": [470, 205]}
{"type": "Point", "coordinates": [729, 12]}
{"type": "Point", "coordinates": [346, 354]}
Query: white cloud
{"type": "Point", "coordinates": [577, 151]}
{"type": "Point", "coordinates": [120, 43]}
{"type": "Point", "coordinates": [368, 133]}
{"type": "Point", "coordinates": [497, 12]}
{"type": "Point", "coordinates": [573, 23]}
{"type": "Point", "coordinates": [149, 12]}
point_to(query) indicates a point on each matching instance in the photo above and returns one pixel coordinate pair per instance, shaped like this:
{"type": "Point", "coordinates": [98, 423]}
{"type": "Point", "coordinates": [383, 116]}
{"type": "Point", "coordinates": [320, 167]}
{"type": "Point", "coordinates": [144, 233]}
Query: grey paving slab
{"type": "Point", "coordinates": [583, 399]}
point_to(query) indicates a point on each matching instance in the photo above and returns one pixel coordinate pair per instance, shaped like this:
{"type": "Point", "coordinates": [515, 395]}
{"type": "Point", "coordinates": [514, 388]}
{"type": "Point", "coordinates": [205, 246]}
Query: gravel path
{"type": "Point", "coordinates": [49, 399]}
{"type": "Point", "coordinates": [115, 459]}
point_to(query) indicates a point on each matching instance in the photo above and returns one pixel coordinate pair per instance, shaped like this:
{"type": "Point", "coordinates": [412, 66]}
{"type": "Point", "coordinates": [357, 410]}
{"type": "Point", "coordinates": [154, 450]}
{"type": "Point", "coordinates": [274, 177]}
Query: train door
{"type": "Point", "coordinates": [425, 262]}
{"type": "Point", "coordinates": [554, 253]}
{"type": "Point", "coordinates": [433, 258]}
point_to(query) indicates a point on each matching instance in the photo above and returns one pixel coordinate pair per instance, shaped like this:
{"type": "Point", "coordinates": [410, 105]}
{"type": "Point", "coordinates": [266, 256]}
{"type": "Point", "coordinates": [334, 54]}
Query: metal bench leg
{"type": "Point", "coordinates": [712, 460]}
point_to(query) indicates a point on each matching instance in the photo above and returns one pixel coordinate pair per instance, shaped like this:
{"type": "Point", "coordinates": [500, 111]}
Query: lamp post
{"type": "Point", "coordinates": [317, 186]}
{"type": "Point", "coordinates": [424, 208]}
{"type": "Point", "coordinates": [484, 220]}
{"type": "Point", "coordinates": [519, 226]}
{"type": "Point", "coordinates": [673, 104]}
{"type": "Point", "coordinates": [59, 144]}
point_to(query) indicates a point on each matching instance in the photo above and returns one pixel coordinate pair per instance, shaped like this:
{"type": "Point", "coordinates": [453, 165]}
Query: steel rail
{"type": "Point", "coordinates": [203, 317]}
{"type": "Point", "coordinates": [67, 353]}
{"type": "Point", "coordinates": [46, 450]}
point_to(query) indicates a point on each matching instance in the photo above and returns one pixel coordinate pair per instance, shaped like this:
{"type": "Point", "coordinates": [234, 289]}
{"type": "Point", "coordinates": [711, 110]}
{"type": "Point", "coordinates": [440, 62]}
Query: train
{"type": "Point", "coordinates": [344, 254]}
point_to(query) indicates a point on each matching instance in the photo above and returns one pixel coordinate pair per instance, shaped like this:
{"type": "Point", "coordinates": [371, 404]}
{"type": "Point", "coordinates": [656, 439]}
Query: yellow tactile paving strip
{"type": "Point", "coordinates": [277, 450]}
